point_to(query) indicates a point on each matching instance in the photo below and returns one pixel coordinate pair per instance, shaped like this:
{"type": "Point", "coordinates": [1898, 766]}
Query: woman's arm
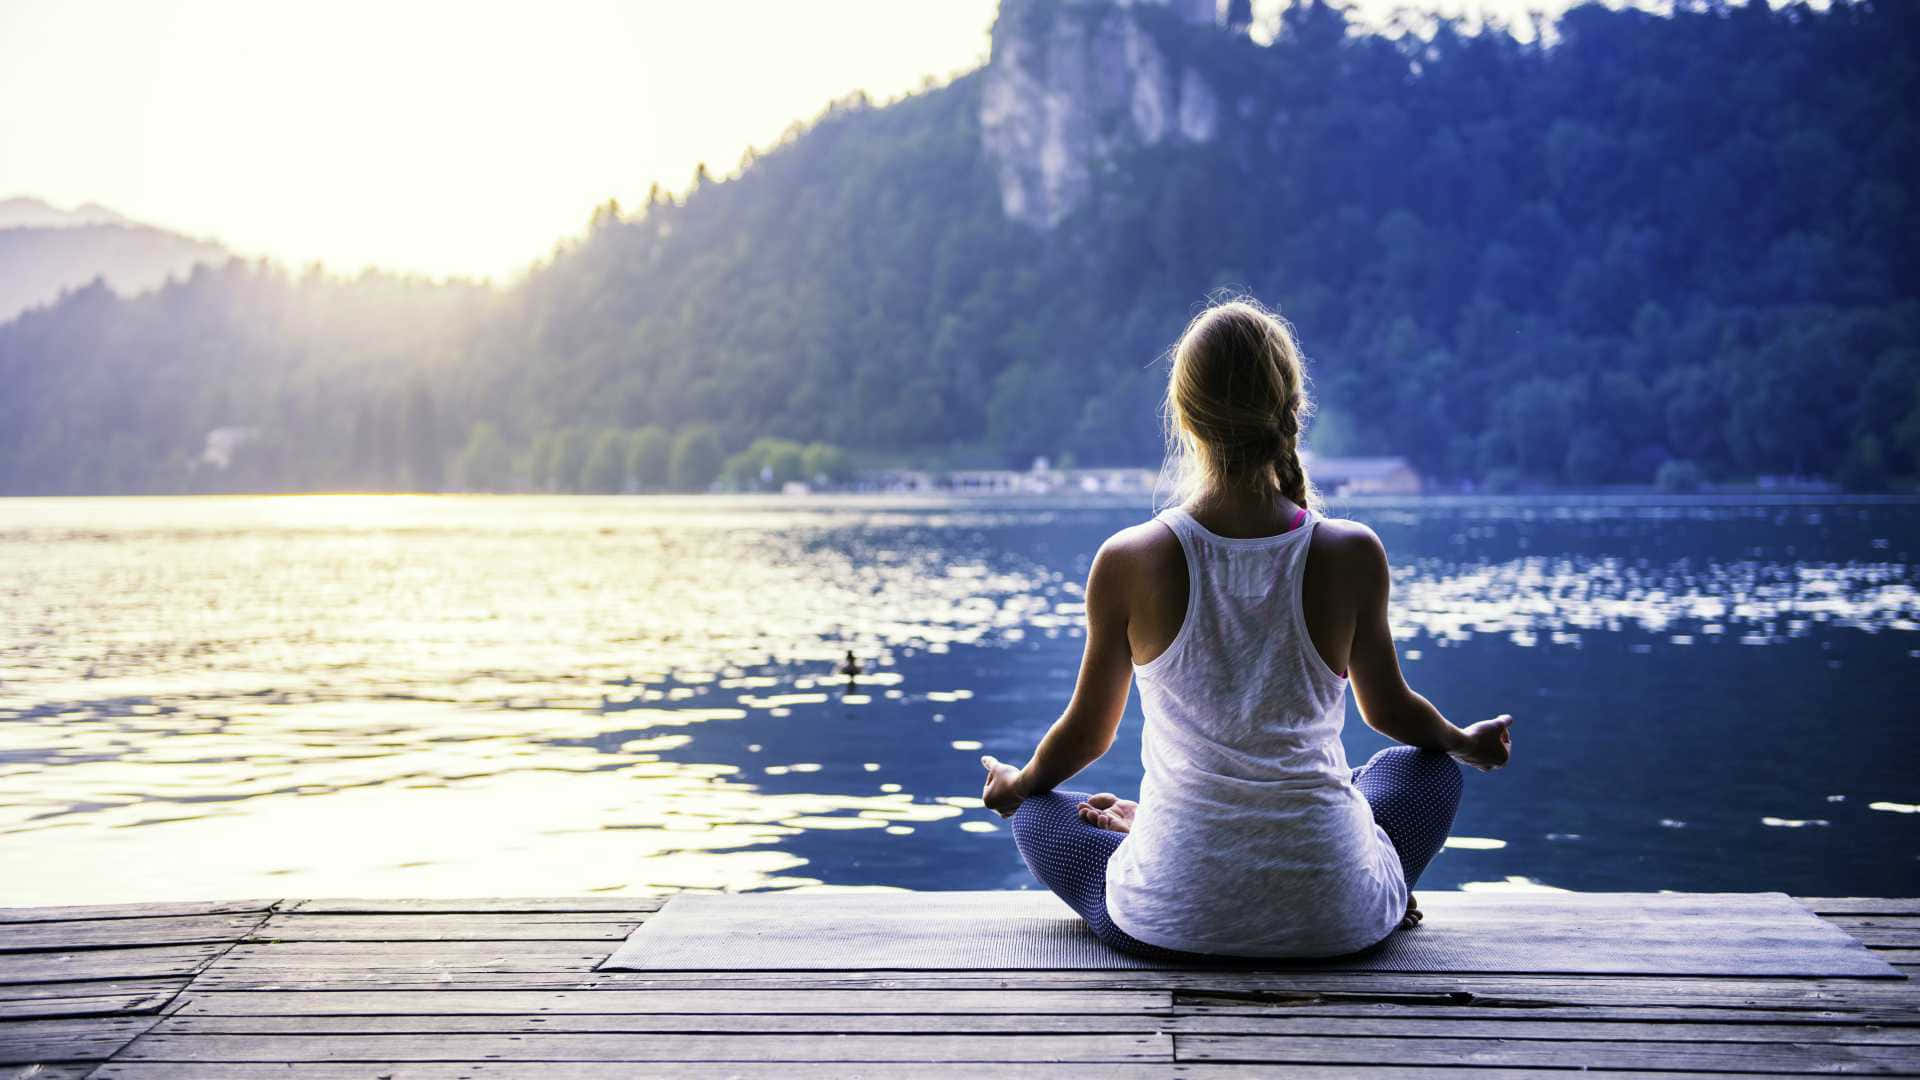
{"type": "Point", "coordinates": [1387, 703]}
{"type": "Point", "coordinates": [1086, 729]}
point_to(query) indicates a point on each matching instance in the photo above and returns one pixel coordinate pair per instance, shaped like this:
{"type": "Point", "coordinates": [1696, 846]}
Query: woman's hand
{"type": "Point", "coordinates": [1485, 745]}
{"type": "Point", "coordinates": [1006, 787]}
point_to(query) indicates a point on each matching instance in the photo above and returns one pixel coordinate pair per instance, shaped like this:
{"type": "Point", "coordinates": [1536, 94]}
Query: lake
{"type": "Point", "coordinates": [494, 696]}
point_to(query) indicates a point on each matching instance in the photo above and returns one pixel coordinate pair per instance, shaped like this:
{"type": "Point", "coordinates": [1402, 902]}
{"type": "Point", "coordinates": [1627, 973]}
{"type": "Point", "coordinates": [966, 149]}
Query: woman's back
{"type": "Point", "coordinates": [1251, 836]}
{"type": "Point", "coordinates": [1246, 789]}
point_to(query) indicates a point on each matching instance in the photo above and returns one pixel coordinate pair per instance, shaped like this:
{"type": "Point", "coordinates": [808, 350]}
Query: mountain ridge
{"type": "Point", "coordinates": [1660, 241]}
{"type": "Point", "coordinates": [26, 211]}
{"type": "Point", "coordinates": [46, 251]}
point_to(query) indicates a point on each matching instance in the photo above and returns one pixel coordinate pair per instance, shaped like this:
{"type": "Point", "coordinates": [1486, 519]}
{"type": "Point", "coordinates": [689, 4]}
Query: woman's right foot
{"type": "Point", "coordinates": [1413, 916]}
{"type": "Point", "coordinates": [1109, 811]}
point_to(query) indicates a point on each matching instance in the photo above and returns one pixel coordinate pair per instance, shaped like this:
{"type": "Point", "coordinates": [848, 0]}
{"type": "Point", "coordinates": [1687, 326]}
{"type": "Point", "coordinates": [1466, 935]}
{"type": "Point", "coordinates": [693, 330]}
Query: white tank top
{"type": "Point", "coordinates": [1251, 839]}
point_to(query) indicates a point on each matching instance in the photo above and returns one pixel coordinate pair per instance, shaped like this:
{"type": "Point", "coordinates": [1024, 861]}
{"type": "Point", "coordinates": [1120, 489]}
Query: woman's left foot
{"type": "Point", "coordinates": [1413, 916]}
{"type": "Point", "coordinates": [1109, 811]}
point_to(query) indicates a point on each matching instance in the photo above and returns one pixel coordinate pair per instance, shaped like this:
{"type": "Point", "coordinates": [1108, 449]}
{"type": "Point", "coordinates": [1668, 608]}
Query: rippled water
{"type": "Point", "coordinates": [494, 696]}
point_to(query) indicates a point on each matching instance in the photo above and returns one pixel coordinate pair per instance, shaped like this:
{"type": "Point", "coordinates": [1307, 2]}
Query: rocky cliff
{"type": "Point", "coordinates": [1071, 82]}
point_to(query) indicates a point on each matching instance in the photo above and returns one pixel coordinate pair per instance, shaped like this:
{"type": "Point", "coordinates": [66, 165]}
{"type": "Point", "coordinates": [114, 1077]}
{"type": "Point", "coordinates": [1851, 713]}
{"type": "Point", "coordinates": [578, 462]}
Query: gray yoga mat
{"type": "Point", "coordinates": [1557, 933]}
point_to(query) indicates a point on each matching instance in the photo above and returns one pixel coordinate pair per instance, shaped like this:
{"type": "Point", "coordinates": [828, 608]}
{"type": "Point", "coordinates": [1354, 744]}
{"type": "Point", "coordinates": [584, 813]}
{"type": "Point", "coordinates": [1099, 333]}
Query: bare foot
{"type": "Point", "coordinates": [1109, 811]}
{"type": "Point", "coordinates": [1413, 916]}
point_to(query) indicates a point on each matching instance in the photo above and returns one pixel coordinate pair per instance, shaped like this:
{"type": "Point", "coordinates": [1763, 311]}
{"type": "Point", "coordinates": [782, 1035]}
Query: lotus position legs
{"type": "Point", "coordinates": [1066, 837]}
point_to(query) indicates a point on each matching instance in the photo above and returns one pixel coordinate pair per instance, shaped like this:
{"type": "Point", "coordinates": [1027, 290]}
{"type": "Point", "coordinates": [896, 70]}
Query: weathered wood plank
{"type": "Point", "coordinates": [651, 1047]}
{"type": "Point", "coordinates": [26, 1042]}
{"type": "Point", "coordinates": [653, 1002]}
{"type": "Point", "coordinates": [595, 905]}
{"type": "Point", "coordinates": [93, 1005]}
{"type": "Point", "coordinates": [289, 959]}
{"type": "Point", "coordinates": [55, 991]}
{"type": "Point", "coordinates": [1505, 1028]}
{"type": "Point", "coordinates": [132, 911]}
{"type": "Point", "coordinates": [416, 954]}
{"type": "Point", "coordinates": [1683, 1055]}
{"type": "Point", "coordinates": [1603, 907]}
{"type": "Point", "coordinates": [1772, 995]}
{"type": "Point", "coordinates": [1898, 956]}
{"type": "Point", "coordinates": [1895, 922]}
{"type": "Point", "coordinates": [1415, 1009]}
{"type": "Point", "coordinates": [1485, 989]}
{"type": "Point", "coordinates": [45, 1072]}
{"type": "Point", "coordinates": [679, 1070]}
{"type": "Point", "coordinates": [135, 963]}
{"type": "Point", "coordinates": [566, 926]}
{"type": "Point", "coordinates": [1861, 905]}
{"type": "Point", "coordinates": [1350, 1071]}
{"type": "Point", "coordinates": [799, 1000]}
{"type": "Point", "coordinates": [767, 1023]}
{"type": "Point", "coordinates": [796, 1070]}
{"type": "Point", "coordinates": [1881, 936]}
{"type": "Point", "coordinates": [124, 933]}
{"type": "Point", "coordinates": [531, 956]}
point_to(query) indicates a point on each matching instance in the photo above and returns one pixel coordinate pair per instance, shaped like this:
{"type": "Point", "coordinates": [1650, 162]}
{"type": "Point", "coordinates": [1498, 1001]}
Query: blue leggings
{"type": "Point", "coordinates": [1414, 794]}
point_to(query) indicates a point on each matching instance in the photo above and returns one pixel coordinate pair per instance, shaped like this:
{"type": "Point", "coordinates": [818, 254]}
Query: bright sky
{"type": "Point", "coordinates": [434, 136]}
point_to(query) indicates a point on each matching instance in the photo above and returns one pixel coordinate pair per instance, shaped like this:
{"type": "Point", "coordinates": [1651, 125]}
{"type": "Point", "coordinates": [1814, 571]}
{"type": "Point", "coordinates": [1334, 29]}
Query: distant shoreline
{"type": "Point", "coordinates": [1066, 500]}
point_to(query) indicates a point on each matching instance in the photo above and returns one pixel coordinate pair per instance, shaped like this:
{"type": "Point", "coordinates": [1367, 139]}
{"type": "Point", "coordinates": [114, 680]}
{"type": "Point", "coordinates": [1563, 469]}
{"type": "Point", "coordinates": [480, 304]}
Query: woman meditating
{"type": "Point", "coordinates": [1240, 612]}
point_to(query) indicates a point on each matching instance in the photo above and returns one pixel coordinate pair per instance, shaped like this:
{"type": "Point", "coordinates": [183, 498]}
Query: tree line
{"type": "Point", "coordinates": [622, 460]}
{"type": "Point", "coordinates": [1644, 247]}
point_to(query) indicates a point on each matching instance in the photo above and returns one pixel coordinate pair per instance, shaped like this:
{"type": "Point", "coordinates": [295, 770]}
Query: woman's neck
{"type": "Point", "coordinates": [1242, 512]}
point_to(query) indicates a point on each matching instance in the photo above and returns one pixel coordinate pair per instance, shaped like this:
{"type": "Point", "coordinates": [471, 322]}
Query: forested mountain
{"type": "Point", "coordinates": [45, 250]}
{"type": "Point", "coordinates": [1654, 239]}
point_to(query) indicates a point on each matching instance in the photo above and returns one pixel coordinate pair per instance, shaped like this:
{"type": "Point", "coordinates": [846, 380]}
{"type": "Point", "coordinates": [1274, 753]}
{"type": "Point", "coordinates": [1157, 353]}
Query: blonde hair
{"type": "Point", "coordinates": [1236, 404]}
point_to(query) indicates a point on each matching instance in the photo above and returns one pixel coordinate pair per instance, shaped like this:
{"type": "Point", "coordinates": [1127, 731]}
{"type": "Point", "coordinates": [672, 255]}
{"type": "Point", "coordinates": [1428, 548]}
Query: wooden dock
{"type": "Point", "coordinates": [443, 989]}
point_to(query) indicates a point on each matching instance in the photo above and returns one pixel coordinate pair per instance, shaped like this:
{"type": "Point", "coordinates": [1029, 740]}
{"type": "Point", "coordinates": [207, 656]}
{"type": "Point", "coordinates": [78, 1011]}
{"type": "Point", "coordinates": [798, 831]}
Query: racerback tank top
{"type": "Point", "coordinates": [1251, 839]}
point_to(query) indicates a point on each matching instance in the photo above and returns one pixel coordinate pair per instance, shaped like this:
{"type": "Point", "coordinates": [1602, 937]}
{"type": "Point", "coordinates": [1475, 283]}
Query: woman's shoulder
{"type": "Point", "coordinates": [1148, 542]}
{"type": "Point", "coordinates": [1346, 533]}
{"type": "Point", "coordinates": [1149, 549]}
{"type": "Point", "coordinates": [1351, 547]}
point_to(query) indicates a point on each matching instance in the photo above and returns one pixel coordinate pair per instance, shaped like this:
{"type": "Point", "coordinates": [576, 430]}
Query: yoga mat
{"type": "Point", "coordinates": [1555, 933]}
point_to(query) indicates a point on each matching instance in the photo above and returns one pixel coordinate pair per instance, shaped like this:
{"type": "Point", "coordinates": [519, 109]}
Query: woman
{"type": "Point", "coordinates": [1240, 613]}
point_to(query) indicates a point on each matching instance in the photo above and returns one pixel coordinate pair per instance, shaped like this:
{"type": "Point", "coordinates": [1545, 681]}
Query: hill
{"type": "Point", "coordinates": [45, 250]}
{"type": "Point", "coordinates": [1658, 242]}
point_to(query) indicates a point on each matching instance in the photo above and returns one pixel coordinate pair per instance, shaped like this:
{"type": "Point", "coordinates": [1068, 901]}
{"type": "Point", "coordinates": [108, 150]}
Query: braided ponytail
{"type": "Point", "coordinates": [1291, 473]}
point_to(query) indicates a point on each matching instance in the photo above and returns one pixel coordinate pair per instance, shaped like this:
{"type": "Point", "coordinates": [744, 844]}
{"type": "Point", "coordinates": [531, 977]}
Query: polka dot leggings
{"type": "Point", "coordinates": [1414, 794]}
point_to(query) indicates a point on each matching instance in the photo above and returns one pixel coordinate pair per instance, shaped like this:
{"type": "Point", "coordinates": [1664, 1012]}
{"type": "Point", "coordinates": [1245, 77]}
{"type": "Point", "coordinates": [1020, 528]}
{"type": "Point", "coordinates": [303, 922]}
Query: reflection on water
{"type": "Point", "coordinates": [466, 696]}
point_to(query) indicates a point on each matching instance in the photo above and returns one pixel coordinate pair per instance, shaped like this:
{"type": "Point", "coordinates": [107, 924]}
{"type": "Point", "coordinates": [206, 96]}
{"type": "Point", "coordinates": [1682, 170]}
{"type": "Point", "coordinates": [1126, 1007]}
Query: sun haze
{"type": "Point", "coordinates": [429, 136]}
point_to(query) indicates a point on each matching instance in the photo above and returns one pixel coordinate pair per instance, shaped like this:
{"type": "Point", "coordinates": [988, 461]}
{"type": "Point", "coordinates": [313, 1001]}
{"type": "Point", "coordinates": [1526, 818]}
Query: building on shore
{"type": "Point", "coordinates": [1042, 479]}
{"type": "Point", "coordinates": [895, 481]}
{"type": "Point", "coordinates": [1344, 476]}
